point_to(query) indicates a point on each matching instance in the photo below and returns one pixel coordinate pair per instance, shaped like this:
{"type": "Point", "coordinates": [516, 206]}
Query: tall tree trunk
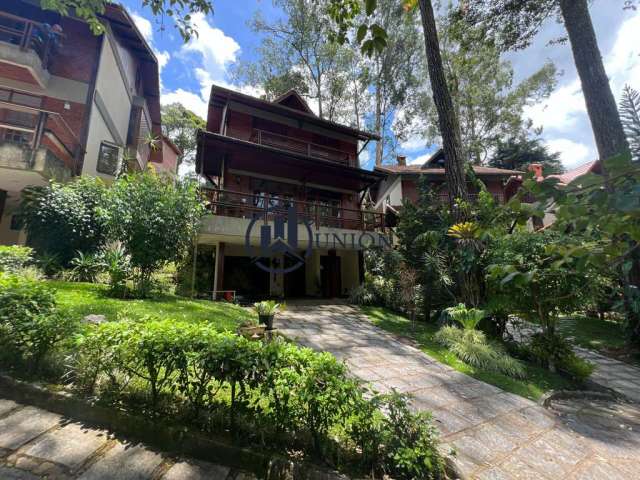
{"type": "Point", "coordinates": [449, 126]}
{"type": "Point", "coordinates": [378, 126]}
{"type": "Point", "coordinates": [601, 104]}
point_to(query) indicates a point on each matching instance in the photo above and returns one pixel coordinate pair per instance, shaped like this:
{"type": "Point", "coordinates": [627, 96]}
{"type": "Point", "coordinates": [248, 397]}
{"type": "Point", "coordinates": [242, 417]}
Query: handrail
{"type": "Point", "coordinates": [29, 34]}
{"type": "Point", "coordinates": [310, 149]}
{"type": "Point", "coordinates": [222, 202]}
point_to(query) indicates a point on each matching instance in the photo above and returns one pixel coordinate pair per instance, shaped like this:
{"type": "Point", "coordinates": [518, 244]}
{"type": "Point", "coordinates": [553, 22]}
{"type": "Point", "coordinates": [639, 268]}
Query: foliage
{"type": "Point", "coordinates": [117, 264]}
{"type": "Point", "coordinates": [556, 353]}
{"type": "Point", "coordinates": [297, 398]}
{"type": "Point", "coordinates": [362, 295]}
{"type": "Point", "coordinates": [630, 116]}
{"type": "Point", "coordinates": [85, 267]}
{"type": "Point", "coordinates": [469, 318]}
{"type": "Point", "coordinates": [517, 153]}
{"type": "Point", "coordinates": [61, 219]}
{"type": "Point", "coordinates": [472, 347]}
{"type": "Point", "coordinates": [266, 307]}
{"type": "Point", "coordinates": [181, 11]}
{"type": "Point", "coordinates": [154, 217]}
{"type": "Point", "coordinates": [181, 125]}
{"type": "Point", "coordinates": [29, 326]}
{"type": "Point", "coordinates": [14, 258]}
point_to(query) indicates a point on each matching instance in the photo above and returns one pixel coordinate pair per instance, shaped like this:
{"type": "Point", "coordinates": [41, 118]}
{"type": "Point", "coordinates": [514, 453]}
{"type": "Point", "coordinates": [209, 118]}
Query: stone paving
{"type": "Point", "coordinates": [495, 434]}
{"type": "Point", "coordinates": [37, 444]}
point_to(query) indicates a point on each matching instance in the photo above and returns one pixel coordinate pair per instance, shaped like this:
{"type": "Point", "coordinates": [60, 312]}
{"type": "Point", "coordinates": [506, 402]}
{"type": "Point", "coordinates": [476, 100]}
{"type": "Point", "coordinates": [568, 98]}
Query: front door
{"type": "Point", "coordinates": [330, 276]}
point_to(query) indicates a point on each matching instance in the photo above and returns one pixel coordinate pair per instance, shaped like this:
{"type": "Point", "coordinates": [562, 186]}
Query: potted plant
{"type": "Point", "coordinates": [266, 310]}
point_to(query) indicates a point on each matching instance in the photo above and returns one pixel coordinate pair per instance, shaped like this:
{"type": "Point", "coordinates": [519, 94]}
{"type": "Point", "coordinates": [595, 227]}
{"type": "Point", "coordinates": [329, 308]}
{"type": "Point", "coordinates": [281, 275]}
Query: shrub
{"type": "Point", "coordinates": [14, 258]}
{"type": "Point", "coordinates": [469, 318]}
{"type": "Point", "coordinates": [362, 295]}
{"type": "Point", "coordinates": [556, 353]}
{"type": "Point", "coordinates": [29, 325]}
{"type": "Point", "coordinates": [117, 265]}
{"type": "Point", "coordinates": [85, 267]}
{"type": "Point", "coordinates": [61, 219]}
{"type": "Point", "coordinates": [472, 347]}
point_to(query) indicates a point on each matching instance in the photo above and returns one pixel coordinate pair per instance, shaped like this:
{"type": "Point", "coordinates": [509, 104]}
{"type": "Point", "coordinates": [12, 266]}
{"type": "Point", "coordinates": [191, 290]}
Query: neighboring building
{"type": "Point", "coordinates": [268, 159]}
{"type": "Point", "coordinates": [401, 182]}
{"type": "Point", "coordinates": [71, 102]}
{"type": "Point", "coordinates": [165, 158]}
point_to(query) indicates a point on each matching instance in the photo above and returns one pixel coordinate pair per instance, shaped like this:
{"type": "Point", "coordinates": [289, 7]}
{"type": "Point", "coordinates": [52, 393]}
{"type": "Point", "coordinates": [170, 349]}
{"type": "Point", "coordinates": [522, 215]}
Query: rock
{"type": "Point", "coordinates": [94, 319]}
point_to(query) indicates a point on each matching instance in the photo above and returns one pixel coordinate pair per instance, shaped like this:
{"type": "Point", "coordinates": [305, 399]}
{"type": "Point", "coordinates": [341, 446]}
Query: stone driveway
{"type": "Point", "coordinates": [37, 444]}
{"type": "Point", "coordinates": [495, 434]}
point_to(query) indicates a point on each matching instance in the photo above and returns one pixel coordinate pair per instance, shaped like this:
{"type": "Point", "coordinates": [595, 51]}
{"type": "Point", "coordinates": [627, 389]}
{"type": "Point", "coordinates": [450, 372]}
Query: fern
{"type": "Point", "coordinates": [630, 116]}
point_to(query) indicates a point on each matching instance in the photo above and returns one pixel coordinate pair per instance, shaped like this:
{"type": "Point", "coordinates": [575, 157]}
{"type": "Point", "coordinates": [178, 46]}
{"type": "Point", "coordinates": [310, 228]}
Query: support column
{"type": "Point", "coordinates": [218, 282]}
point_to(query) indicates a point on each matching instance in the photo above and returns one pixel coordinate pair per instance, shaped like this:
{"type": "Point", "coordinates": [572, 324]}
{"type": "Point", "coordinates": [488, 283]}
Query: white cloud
{"type": "Point", "coordinates": [364, 157]}
{"type": "Point", "coordinates": [420, 159]}
{"type": "Point", "coordinates": [413, 143]}
{"type": "Point", "coordinates": [189, 100]}
{"type": "Point", "coordinates": [572, 153]}
{"type": "Point", "coordinates": [561, 111]}
{"type": "Point", "coordinates": [623, 61]}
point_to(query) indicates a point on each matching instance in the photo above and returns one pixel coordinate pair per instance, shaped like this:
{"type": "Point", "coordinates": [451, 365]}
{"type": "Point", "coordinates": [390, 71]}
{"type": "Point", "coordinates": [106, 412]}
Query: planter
{"type": "Point", "coordinates": [266, 320]}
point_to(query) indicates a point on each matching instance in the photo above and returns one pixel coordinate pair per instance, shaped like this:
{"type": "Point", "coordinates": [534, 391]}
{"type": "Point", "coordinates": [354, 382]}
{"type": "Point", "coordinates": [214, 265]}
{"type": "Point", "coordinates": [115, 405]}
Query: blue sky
{"type": "Point", "coordinates": [225, 38]}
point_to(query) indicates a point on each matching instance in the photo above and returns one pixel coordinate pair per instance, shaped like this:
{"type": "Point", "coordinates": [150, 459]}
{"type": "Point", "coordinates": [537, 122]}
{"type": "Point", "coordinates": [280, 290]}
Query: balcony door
{"type": "Point", "coordinates": [330, 275]}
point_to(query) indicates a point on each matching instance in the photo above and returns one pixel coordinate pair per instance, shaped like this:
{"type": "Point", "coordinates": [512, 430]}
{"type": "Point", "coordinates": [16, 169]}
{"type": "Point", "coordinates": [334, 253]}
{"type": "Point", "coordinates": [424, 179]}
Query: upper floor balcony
{"type": "Point", "coordinates": [295, 145]}
{"type": "Point", "coordinates": [35, 144]}
{"type": "Point", "coordinates": [28, 44]}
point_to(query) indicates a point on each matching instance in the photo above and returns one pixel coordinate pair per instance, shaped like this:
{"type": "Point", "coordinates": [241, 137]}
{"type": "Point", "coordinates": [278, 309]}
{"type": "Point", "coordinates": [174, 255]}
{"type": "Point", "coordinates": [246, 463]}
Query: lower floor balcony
{"type": "Point", "coordinates": [22, 165]}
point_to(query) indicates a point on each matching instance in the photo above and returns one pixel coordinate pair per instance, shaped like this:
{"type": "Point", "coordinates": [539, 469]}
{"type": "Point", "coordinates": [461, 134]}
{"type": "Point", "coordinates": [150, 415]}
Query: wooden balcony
{"type": "Point", "coordinates": [242, 205]}
{"type": "Point", "coordinates": [29, 37]}
{"type": "Point", "coordinates": [290, 144]}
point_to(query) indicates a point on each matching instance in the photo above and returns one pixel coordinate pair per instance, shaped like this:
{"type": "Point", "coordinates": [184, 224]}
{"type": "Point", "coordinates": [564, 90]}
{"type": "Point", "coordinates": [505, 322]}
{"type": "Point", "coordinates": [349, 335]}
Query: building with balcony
{"type": "Point", "coordinates": [401, 182]}
{"type": "Point", "coordinates": [71, 102]}
{"type": "Point", "coordinates": [285, 195]}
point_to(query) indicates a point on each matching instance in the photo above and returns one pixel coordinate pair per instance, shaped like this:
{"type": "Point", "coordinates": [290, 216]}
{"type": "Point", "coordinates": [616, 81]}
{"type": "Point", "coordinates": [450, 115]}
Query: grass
{"type": "Point", "coordinates": [81, 299]}
{"type": "Point", "coordinates": [537, 382]}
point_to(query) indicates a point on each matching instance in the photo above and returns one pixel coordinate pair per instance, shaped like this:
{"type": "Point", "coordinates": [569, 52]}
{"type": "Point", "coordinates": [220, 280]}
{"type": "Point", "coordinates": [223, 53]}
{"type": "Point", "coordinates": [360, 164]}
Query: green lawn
{"type": "Point", "coordinates": [80, 299]}
{"type": "Point", "coordinates": [538, 381]}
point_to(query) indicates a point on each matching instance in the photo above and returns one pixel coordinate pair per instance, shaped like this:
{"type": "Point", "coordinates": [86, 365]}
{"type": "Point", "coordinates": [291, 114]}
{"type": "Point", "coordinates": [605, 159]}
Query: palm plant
{"type": "Point", "coordinates": [469, 318]}
{"type": "Point", "coordinates": [86, 267]}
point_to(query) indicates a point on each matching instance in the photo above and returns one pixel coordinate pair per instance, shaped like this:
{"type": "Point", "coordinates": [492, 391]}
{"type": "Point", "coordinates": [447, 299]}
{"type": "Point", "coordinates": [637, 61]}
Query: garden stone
{"type": "Point", "coordinates": [94, 319]}
{"type": "Point", "coordinates": [130, 463]}
{"type": "Point", "coordinates": [8, 473]}
{"type": "Point", "coordinates": [6, 406]}
{"type": "Point", "coordinates": [24, 425]}
{"type": "Point", "coordinates": [192, 470]}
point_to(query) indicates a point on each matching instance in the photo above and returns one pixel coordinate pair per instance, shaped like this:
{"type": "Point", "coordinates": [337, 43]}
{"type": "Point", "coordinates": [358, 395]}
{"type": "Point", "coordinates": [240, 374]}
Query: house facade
{"type": "Point", "coordinates": [401, 182]}
{"type": "Point", "coordinates": [71, 103]}
{"type": "Point", "coordinates": [285, 194]}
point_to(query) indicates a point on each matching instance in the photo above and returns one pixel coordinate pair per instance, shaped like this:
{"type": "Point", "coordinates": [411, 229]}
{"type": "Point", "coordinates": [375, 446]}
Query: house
{"type": "Point", "coordinates": [71, 102]}
{"type": "Point", "coordinates": [286, 192]}
{"type": "Point", "coordinates": [401, 182]}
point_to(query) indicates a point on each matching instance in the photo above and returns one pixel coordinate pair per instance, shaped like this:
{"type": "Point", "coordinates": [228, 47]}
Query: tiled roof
{"type": "Point", "coordinates": [418, 169]}
{"type": "Point", "coordinates": [571, 175]}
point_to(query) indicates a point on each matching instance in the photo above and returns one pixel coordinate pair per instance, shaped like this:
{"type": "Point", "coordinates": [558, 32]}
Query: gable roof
{"type": "Point", "coordinates": [421, 170]}
{"type": "Point", "coordinates": [292, 99]}
{"type": "Point", "coordinates": [568, 177]}
{"type": "Point", "coordinates": [219, 95]}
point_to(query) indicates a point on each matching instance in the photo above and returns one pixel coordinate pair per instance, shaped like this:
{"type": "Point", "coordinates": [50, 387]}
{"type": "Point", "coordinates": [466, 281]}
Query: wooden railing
{"type": "Point", "coordinates": [291, 144]}
{"type": "Point", "coordinates": [242, 205]}
{"type": "Point", "coordinates": [29, 35]}
{"type": "Point", "coordinates": [473, 197]}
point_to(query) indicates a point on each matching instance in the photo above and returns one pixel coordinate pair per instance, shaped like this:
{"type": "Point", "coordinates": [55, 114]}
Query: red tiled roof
{"type": "Point", "coordinates": [568, 177]}
{"type": "Point", "coordinates": [418, 169]}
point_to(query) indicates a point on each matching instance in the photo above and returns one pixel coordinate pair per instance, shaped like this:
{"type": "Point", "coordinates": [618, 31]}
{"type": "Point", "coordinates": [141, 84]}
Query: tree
{"type": "Point", "coordinates": [447, 118]}
{"type": "Point", "coordinates": [514, 24]}
{"type": "Point", "coordinates": [630, 115]}
{"type": "Point", "coordinates": [181, 125]}
{"type": "Point", "coordinates": [61, 219]}
{"type": "Point", "coordinates": [277, 85]}
{"type": "Point", "coordinates": [181, 11]}
{"type": "Point", "coordinates": [517, 153]}
{"type": "Point", "coordinates": [154, 217]}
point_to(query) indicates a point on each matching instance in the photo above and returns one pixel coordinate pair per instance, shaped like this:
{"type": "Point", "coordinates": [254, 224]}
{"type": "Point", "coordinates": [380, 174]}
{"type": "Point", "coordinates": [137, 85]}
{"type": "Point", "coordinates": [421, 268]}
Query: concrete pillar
{"type": "Point", "coordinates": [218, 274]}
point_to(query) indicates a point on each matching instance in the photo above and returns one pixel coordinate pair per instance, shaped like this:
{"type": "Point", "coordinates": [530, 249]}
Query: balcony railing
{"type": "Point", "coordinates": [29, 35]}
{"type": "Point", "coordinates": [294, 145]}
{"type": "Point", "coordinates": [318, 214]}
{"type": "Point", "coordinates": [37, 123]}
{"type": "Point", "coordinates": [473, 197]}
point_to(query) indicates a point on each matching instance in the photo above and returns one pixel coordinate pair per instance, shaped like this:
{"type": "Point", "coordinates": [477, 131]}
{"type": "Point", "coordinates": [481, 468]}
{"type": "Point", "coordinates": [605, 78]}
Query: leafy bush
{"type": "Point", "coordinates": [117, 265]}
{"type": "Point", "coordinates": [85, 267]}
{"type": "Point", "coordinates": [14, 258]}
{"type": "Point", "coordinates": [556, 353]}
{"type": "Point", "coordinates": [471, 346]}
{"type": "Point", "coordinates": [154, 217]}
{"type": "Point", "coordinates": [61, 219]}
{"type": "Point", "coordinates": [362, 295]}
{"type": "Point", "coordinates": [29, 325]}
{"type": "Point", "coordinates": [275, 393]}
{"type": "Point", "coordinates": [469, 318]}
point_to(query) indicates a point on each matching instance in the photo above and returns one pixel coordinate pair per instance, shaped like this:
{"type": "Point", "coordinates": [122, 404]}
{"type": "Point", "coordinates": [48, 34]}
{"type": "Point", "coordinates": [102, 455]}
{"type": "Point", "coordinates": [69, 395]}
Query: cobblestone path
{"type": "Point", "coordinates": [497, 435]}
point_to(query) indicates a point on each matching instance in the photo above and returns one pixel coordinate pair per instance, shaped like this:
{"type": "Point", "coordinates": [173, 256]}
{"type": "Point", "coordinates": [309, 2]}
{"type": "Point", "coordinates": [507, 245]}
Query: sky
{"type": "Point", "coordinates": [188, 70]}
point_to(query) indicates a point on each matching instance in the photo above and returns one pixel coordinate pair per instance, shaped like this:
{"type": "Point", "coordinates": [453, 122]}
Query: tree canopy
{"type": "Point", "coordinates": [181, 125]}
{"type": "Point", "coordinates": [517, 153]}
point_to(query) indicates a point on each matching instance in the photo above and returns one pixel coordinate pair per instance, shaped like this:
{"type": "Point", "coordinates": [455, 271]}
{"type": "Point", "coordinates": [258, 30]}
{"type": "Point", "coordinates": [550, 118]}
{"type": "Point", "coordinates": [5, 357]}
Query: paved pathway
{"type": "Point", "coordinates": [38, 444]}
{"type": "Point", "coordinates": [497, 435]}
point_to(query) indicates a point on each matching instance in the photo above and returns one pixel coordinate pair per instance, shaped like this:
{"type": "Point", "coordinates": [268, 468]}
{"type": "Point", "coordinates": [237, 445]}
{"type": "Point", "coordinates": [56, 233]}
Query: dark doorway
{"type": "Point", "coordinates": [243, 276]}
{"type": "Point", "coordinates": [295, 282]}
{"type": "Point", "coordinates": [330, 275]}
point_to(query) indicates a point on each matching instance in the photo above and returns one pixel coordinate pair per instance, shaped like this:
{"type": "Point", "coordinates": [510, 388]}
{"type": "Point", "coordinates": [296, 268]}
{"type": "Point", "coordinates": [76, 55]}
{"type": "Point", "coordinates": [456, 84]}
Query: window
{"type": "Point", "coordinates": [16, 223]}
{"type": "Point", "coordinates": [108, 159]}
{"type": "Point", "coordinates": [17, 136]}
